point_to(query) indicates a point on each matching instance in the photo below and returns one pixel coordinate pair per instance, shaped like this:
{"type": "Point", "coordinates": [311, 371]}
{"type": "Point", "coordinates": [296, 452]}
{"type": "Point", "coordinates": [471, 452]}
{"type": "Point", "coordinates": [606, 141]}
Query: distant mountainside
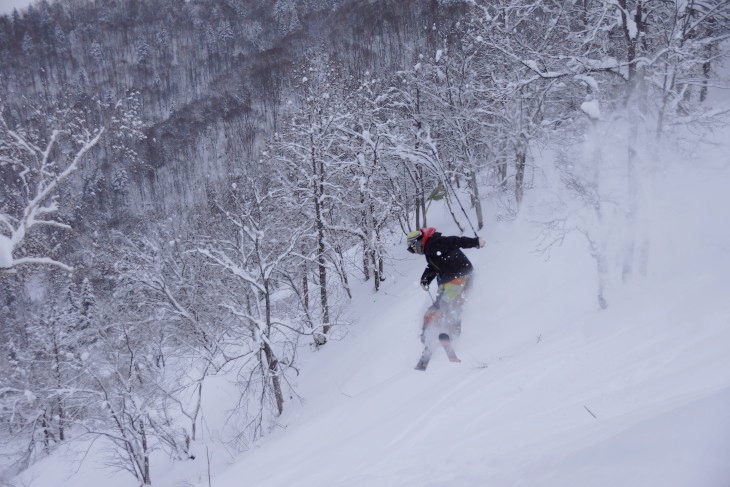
{"type": "Point", "coordinates": [211, 76]}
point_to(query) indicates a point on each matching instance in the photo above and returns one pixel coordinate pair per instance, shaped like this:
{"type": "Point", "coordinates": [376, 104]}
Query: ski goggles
{"type": "Point", "coordinates": [415, 244]}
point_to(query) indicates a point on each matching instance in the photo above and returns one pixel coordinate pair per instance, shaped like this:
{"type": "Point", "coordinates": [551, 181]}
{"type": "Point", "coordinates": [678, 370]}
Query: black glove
{"type": "Point", "coordinates": [425, 282]}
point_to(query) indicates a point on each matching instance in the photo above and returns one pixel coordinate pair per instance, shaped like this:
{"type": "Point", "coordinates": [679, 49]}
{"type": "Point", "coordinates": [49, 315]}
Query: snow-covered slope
{"type": "Point", "coordinates": [552, 392]}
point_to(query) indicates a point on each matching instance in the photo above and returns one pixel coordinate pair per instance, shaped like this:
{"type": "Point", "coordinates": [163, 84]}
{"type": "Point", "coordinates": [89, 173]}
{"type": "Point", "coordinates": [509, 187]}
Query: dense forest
{"type": "Point", "coordinates": [188, 187]}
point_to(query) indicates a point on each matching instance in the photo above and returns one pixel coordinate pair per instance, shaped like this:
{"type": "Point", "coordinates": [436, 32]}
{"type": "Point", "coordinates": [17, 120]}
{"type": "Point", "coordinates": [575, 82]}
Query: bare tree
{"type": "Point", "coordinates": [459, 117]}
{"type": "Point", "coordinates": [40, 399]}
{"type": "Point", "coordinates": [259, 258]}
{"type": "Point", "coordinates": [310, 150]}
{"type": "Point", "coordinates": [168, 284]}
{"type": "Point", "coordinates": [127, 410]}
{"type": "Point", "coordinates": [630, 67]}
{"type": "Point", "coordinates": [36, 160]}
{"type": "Point", "coordinates": [411, 112]}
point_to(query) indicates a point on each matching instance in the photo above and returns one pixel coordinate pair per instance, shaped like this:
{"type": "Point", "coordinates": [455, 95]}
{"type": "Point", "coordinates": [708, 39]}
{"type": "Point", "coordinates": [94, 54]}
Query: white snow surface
{"type": "Point", "coordinates": [552, 391]}
{"type": "Point", "coordinates": [591, 108]}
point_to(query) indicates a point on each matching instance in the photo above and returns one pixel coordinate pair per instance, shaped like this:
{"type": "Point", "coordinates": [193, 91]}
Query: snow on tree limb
{"type": "Point", "coordinates": [33, 210]}
{"type": "Point", "coordinates": [42, 261]}
{"type": "Point", "coordinates": [39, 168]}
{"type": "Point", "coordinates": [223, 260]}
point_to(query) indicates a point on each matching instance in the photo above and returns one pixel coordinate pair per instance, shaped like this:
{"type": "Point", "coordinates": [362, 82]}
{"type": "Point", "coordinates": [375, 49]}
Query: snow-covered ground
{"type": "Point", "coordinates": [551, 392]}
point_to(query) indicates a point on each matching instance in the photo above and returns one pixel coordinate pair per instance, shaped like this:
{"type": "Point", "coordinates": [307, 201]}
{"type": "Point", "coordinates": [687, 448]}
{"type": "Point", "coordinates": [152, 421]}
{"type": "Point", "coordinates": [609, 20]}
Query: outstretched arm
{"type": "Point", "coordinates": [447, 244]}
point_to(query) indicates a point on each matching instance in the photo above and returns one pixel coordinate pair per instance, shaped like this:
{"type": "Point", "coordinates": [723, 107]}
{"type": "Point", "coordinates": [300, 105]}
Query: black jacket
{"type": "Point", "coordinates": [445, 259]}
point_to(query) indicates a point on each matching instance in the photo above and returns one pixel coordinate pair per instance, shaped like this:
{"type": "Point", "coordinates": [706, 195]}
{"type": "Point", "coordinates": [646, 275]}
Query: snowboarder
{"type": "Point", "coordinates": [452, 270]}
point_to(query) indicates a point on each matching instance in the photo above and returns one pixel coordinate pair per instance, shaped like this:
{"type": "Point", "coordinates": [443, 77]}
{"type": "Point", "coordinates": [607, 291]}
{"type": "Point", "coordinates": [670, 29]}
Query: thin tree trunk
{"type": "Point", "coordinates": [420, 199]}
{"type": "Point", "coordinates": [520, 162]}
{"type": "Point", "coordinates": [197, 411]}
{"type": "Point", "coordinates": [146, 480]}
{"type": "Point", "coordinates": [502, 173]}
{"type": "Point", "coordinates": [305, 284]}
{"type": "Point", "coordinates": [366, 219]}
{"type": "Point", "coordinates": [59, 384]}
{"type": "Point", "coordinates": [632, 106]}
{"type": "Point", "coordinates": [273, 365]}
{"type": "Point", "coordinates": [475, 201]}
{"type": "Point", "coordinates": [318, 176]}
{"type": "Point", "coordinates": [365, 263]}
{"type": "Point", "coordinates": [706, 69]}
{"type": "Point", "coordinates": [61, 420]}
{"type": "Point", "coordinates": [271, 360]}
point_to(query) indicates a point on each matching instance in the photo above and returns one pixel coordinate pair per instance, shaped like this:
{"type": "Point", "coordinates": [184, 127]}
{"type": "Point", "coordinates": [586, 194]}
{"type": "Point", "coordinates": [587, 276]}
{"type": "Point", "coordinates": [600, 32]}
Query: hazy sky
{"type": "Point", "coordinates": [7, 6]}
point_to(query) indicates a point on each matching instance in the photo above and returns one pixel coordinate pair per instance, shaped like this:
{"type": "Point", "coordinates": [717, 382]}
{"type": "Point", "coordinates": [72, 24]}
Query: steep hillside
{"type": "Point", "coordinates": [212, 75]}
{"type": "Point", "coordinates": [551, 392]}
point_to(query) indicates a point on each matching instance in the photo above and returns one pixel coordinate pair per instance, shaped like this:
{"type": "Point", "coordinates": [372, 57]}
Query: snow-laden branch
{"type": "Point", "coordinates": [39, 178]}
{"type": "Point", "coordinates": [532, 65]}
{"type": "Point", "coordinates": [38, 260]}
{"type": "Point", "coordinates": [223, 260]}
